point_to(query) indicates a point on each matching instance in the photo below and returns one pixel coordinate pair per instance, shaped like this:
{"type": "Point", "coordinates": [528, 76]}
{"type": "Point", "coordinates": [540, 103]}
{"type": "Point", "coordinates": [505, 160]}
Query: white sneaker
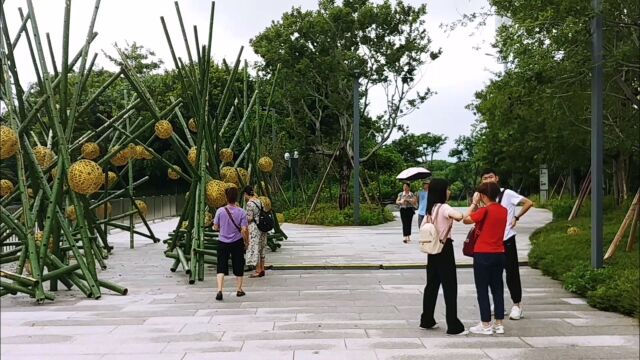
{"type": "Point", "coordinates": [481, 329]}
{"type": "Point", "coordinates": [498, 329]}
{"type": "Point", "coordinates": [516, 313]}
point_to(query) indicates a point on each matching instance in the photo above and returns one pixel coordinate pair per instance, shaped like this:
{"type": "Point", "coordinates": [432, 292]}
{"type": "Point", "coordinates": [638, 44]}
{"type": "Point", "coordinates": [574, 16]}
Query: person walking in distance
{"type": "Point", "coordinates": [422, 202]}
{"type": "Point", "coordinates": [510, 200]}
{"type": "Point", "coordinates": [441, 268]}
{"type": "Point", "coordinates": [233, 240]}
{"type": "Point", "coordinates": [488, 257]}
{"type": "Point", "coordinates": [407, 202]}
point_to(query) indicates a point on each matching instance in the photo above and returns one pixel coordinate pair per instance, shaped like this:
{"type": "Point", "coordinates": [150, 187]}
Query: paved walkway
{"type": "Point", "coordinates": [297, 314]}
{"type": "Point", "coordinates": [380, 245]}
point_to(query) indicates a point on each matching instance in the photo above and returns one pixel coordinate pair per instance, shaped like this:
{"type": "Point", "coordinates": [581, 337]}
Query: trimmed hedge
{"type": "Point", "coordinates": [568, 257]}
{"type": "Point", "coordinates": [329, 214]}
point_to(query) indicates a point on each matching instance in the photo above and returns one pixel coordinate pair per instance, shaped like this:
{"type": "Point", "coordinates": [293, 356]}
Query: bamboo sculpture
{"type": "Point", "coordinates": [210, 165]}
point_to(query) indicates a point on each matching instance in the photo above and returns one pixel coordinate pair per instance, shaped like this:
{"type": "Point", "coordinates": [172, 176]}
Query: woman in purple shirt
{"type": "Point", "coordinates": [233, 239]}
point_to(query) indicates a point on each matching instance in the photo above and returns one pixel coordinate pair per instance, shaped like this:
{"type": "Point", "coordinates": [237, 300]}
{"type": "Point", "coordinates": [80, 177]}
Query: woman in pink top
{"type": "Point", "coordinates": [441, 268]}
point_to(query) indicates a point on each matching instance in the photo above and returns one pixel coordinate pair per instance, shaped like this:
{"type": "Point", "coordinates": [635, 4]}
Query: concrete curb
{"type": "Point", "coordinates": [465, 265]}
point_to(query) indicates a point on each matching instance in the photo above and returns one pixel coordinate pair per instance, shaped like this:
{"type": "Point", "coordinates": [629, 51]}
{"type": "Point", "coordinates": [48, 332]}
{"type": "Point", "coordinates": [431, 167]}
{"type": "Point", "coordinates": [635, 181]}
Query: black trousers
{"type": "Point", "coordinates": [487, 273]}
{"type": "Point", "coordinates": [406, 215]}
{"type": "Point", "coordinates": [441, 270]}
{"type": "Point", "coordinates": [512, 269]}
{"type": "Point", "coordinates": [235, 250]}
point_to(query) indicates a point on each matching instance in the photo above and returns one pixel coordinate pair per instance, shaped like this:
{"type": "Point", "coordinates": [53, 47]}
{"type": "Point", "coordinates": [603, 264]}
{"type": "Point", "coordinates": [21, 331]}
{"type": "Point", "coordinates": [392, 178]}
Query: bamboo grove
{"type": "Point", "coordinates": [55, 218]}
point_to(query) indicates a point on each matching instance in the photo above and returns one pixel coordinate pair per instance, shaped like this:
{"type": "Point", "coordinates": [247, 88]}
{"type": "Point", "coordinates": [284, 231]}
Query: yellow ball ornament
{"type": "Point", "coordinates": [143, 207]}
{"type": "Point", "coordinates": [266, 203]}
{"type": "Point", "coordinates": [230, 174]}
{"type": "Point", "coordinates": [90, 150]}
{"type": "Point", "coordinates": [226, 155]}
{"type": "Point", "coordinates": [9, 141]}
{"type": "Point", "coordinates": [208, 219]}
{"type": "Point", "coordinates": [112, 178]}
{"type": "Point", "coordinates": [70, 213]}
{"type": "Point", "coordinates": [6, 187]}
{"type": "Point", "coordinates": [280, 217]}
{"type": "Point", "coordinates": [573, 231]}
{"type": "Point", "coordinates": [121, 158]}
{"type": "Point", "coordinates": [140, 152]}
{"type": "Point", "coordinates": [163, 129]}
{"type": "Point", "coordinates": [172, 173]}
{"type": "Point", "coordinates": [44, 156]}
{"type": "Point", "coordinates": [191, 156]}
{"type": "Point", "coordinates": [265, 164]}
{"type": "Point", "coordinates": [85, 177]}
{"type": "Point", "coordinates": [193, 125]}
{"type": "Point", "coordinates": [215, 194]}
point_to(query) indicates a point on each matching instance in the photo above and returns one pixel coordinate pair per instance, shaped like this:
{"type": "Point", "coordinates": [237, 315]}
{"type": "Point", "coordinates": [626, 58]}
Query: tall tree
{"type": "Point", "coordinates": [538, 110]}
{"type": "Point", "coordinates": [321, 52]}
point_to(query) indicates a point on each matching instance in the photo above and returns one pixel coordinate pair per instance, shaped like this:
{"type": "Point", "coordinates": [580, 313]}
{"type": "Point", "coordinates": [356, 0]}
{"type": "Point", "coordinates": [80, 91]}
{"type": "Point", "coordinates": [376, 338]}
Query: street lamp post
{"type": "Point", "coordinates": [291, 159]}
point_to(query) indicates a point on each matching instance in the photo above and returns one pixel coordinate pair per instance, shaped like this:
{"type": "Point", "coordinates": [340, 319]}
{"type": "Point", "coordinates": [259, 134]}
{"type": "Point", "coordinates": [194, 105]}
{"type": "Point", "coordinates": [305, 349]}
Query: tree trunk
{"type": "Point", "coordinates": [344, 198]}
{"type": "Point", "coordinates": [620, 176]}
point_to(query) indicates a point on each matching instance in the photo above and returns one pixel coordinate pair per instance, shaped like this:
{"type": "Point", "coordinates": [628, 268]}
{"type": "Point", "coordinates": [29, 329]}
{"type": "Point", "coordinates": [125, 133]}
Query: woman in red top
{"type": "Point", "coordinates": [488, 258]}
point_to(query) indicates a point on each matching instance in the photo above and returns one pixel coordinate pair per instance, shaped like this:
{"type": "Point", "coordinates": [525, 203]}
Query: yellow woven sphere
{"type": "Point", "coordinates": [172, 174]}
{"type": "Point", "coordinates": [9, 141]}
{"type": "Point", "coordinates": [38, 236]}
{"type": "Point", "coordinates": [208, 219]}
{"type": "Point", "coordinates": [215, 194]}
{"type": "Point", "coordinates": [70, 213]}
{"type": "Point", "coordinates": [573, 231]}
{"type": "Point", "coordinates": [90, 150]}
{"type": "Point", "coordinates": [143, 207]}
{"type": "Point", "coordinates": [121, 158]}
{"type": "Point", "coordinates": [230, 175]}
{"type": "Point", "coordinates": [30, 192]}
{"type": "Point", "coordinates": [140, 152]}
{"type": "Point", "coordinates": [6, 187]}
{"type": "Point", "coordinates": [112, 178]}
{"type": "Point", "coordinates": [266, 203]}
{"type": "Point", "coordinates": [44, 156]}
{"type": "Point", "coordinates": [226, 155]}
{"type": "Point", "coordinates": [100, 211]}
{"type": "Point", "coordinates": [54, 172]}
{"type": "Point", "coordinates": [265, 164]}
{"type": "Point", "coordinates": [193, 152]}
{"type": "Point", "coordinates": [193, 125]}
{"type": "Point", "coordinates": [184, 225]}
{"type": "Point", "coordinates": [163, 129]}
{"type": "Point", "coordinates": [280, 217]}
{"type": "Point", "coordinates": [85, 177]}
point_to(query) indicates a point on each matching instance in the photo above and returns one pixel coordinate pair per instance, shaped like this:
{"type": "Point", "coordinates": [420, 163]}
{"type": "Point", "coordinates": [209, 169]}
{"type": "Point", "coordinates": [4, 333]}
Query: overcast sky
{"type": "Point", "coordinates": [455, 76]}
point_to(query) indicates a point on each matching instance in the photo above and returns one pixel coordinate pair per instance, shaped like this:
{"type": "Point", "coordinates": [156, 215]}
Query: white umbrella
{"type": "Point", "coordinates": [413, 173]}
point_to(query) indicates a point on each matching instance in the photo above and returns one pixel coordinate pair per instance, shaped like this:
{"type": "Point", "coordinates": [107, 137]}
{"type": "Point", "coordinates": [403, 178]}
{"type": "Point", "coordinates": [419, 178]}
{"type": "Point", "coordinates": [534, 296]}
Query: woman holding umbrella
{"type": "Point", "coordinates": [407, 202]}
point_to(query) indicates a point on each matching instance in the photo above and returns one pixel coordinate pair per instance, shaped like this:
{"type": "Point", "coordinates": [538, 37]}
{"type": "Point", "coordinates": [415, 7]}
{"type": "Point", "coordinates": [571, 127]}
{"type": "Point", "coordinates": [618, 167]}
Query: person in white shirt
{"type": "Point", "coordinates": [510, 200]}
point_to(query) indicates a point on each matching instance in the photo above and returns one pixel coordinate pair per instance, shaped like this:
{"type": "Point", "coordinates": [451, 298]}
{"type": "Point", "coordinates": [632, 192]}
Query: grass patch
{"type": "Point", "coordinates": [568, 258]}
{"type": "Point", "coordinates": [330, 215]}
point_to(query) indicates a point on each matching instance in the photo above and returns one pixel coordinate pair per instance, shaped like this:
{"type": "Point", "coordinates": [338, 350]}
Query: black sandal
{"type": "Point", "coordinates": [219, 296]}
{"type": "Point", "coordinates": [240, 293]}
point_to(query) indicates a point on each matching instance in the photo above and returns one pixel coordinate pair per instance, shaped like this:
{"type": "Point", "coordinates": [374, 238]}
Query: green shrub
{"type": "Point", "coordinates": [329, 214]}
{"type": "Point", "coordinates": [566, 258]}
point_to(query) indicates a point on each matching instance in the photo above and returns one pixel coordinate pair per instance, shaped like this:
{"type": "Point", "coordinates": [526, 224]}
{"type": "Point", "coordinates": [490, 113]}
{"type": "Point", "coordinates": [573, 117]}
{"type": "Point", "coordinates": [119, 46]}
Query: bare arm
{"type": "Point", "coordinates": [244, 231]}
{"type": "Point", "coordinates": [216, 227]}
{"type": "Point", "coordinates": [526, 205]}
{"type": "Point", "coordinates": [455, 215]}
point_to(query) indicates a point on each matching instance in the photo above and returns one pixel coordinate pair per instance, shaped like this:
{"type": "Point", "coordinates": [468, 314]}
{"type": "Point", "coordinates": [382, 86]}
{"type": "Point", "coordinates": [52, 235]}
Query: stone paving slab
{"type": "Point", "coordinates": [298, 314]}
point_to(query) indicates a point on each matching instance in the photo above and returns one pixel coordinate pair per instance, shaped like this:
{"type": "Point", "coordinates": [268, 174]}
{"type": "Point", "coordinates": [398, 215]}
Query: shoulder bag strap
{"type": "Point", "coordinates": [231, 217]}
